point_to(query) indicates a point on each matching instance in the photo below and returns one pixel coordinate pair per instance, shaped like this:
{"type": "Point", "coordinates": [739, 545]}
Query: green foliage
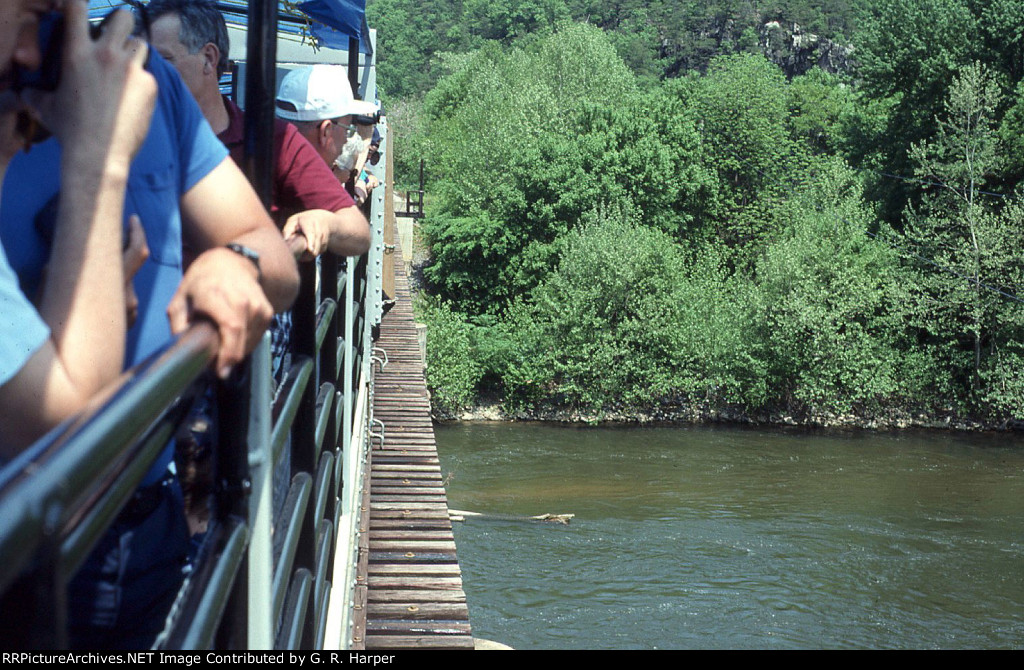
{"type": "Point", "coordinates": [627, 320]}
{"type": "Point", "coordinates": [526, 141]}
{"type": "Point", "coordinates": [605, 311]}
{"type": "Point", "coordinates": [719, 354]}
{"type": "Point", "coordinates": [506, 21]}
{"type": "Point", "coordinates": [603, 241]}
{"type": "Point", "coordinates": [908, 56]}
{"type": "Point", "coordinates": [408, 142]}
{"type": "Point", "coordinates": [655, 38]}
{"type": "Point", "coordinates": [955, 229]}
{"type": "Point", "coordinates": [1011, 136]}
{"type": "Point", "coordinates": [975, 241]}
{"type": "Point", "coordinates": [637, 41]}
{"type": "Point", "coordinates": [452, 371]}
{"type": "Point", "coordinates": [831, 301]}
{"type": "Point", "coordinates": [408, 36]}
{"type": "Point", "coordinates": [743, 111]}
{"type": "Point", "coordinates": [1002, 29]}
{"type": "Point", "coordinates": [912, 50]}
{"type": "Point", "coordinates": [504, 126]}
{"type": "Point", "coordinates": [819, 105]}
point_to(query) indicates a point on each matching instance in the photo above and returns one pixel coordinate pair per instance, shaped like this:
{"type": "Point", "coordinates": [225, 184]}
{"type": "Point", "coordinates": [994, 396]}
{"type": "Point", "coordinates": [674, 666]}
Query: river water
{"type": "Point", "coordinates": [738, 538]}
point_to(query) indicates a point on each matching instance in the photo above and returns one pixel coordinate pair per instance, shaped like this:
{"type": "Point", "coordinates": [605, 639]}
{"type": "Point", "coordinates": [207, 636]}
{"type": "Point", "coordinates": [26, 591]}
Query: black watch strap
{"type": "Point", "coordinates": [246, 252]}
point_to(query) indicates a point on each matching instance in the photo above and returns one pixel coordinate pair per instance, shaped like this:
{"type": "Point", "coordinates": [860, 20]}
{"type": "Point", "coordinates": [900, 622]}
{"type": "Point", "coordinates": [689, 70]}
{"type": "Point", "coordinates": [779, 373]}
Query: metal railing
{"type": "Point", "coordinates": [266, 575]}
{"type": "Point", "coordinates": [414, 199]}
{"type": "Point", "coordinates": [58, 498]}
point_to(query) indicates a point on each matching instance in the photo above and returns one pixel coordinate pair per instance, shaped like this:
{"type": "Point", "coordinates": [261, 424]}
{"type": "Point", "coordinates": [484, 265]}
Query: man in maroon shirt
{"type": "Point", "coordinates": [318, 100]}
{"type": "Point", "coordinates": [307, 198]}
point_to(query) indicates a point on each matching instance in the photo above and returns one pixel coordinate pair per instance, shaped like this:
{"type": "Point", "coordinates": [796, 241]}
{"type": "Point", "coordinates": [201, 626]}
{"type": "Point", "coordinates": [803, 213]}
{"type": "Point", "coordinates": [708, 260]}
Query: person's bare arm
{"type": "Point", "coordinates": [343, 174]}
{"type": "Point", "coordinates": [344, 232]}
{"type": "Point", "coordinates": [221, 284]}
{"type": "Point", "coordinates": [83, 304]}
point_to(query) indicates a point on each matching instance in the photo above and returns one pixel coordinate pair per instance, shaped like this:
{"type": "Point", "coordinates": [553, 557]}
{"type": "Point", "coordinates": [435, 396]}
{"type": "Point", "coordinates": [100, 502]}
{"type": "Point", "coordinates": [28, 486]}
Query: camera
{"type": "Point", "coordinates": [364, 120]}
{"type": "Point", "coordinates": [51, 48]}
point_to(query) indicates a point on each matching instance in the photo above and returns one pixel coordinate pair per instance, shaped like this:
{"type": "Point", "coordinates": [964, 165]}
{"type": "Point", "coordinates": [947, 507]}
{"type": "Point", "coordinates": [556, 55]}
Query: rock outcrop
{"type": "Point", "coordinates": [796, 51]}
{"type": "Point", "coordinates": [784, 43]}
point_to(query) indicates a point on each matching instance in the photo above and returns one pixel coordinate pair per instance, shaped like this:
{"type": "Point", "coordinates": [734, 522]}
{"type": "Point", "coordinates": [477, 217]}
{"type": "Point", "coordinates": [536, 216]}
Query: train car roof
{"type": "Point", "coordinates": [313, 26]}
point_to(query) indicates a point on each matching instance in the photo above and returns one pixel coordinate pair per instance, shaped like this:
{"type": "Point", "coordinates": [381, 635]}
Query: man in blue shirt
{"type": "Point", "coordinates": [55, 355]}
{"type": "Point", "coordinates": [184, 188]}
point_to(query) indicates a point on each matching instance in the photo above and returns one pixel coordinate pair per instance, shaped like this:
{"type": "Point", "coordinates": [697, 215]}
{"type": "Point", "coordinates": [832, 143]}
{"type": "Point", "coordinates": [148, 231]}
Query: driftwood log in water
{"type": "Point", "coordinates": [461, 515]}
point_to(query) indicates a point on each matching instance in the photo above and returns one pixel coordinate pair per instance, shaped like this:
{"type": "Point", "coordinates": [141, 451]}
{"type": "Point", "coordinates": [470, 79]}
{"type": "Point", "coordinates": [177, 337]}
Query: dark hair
{"type": "Point", "coordinates": [201, 24]}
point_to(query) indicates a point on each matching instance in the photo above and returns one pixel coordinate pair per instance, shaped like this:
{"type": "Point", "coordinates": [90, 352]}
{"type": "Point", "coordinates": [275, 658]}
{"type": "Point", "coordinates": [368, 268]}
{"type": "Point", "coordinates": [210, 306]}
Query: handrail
{"type": "Point", "coordinates": [59, 497]}
{"type": "Point", "coordinates": [71, 485]}
{"type": "Point", "coordinates": [79, 475]}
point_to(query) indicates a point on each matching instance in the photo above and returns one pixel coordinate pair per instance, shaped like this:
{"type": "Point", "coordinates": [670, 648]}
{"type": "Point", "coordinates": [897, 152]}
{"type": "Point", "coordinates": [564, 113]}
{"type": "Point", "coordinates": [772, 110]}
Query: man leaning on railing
{"type": "Point", "coordinates": [192, 35]}
{"type": "Point", "coordinates": [181, 184]}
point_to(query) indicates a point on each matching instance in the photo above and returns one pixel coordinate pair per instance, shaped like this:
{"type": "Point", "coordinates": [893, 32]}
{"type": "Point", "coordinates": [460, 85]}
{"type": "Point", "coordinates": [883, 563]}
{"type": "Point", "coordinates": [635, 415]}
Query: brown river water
{"type": "Point", "coordinates": [738, 538]}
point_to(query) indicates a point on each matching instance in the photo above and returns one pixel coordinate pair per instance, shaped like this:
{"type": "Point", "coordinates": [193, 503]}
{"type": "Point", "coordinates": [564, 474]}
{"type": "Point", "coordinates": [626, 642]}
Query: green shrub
{"type": "Point", "coordinates": [452, 372]}
{"type": "Point", "coordinates": [831, 313]}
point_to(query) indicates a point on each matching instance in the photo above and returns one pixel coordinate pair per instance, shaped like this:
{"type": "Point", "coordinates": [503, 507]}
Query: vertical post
{"type": "Point", "coordinates": [261, 467]}
{"type": "Point", "coordinates": [304, 453]}
{"type": "Point", "coordinates": [329, 371]}
{"type": "Point", "coordinates": [231, 493]}
{"type": "Point", "coordinates": [260, 81]}
{"type": "Point", "coordinates": [420, 192]}
{"type": "Point", "coordinates": [345, 383]}
{"type": "Point", "coordinates": [303, 344]}
{"type": "Point", "coordinates": [329, 350]}
{"type": "Point", "coordinates": [258, 166]}
{"type": "Point", "coordinates": [388, 200]}
{"type": "Point", "coordinates": [353, 64]}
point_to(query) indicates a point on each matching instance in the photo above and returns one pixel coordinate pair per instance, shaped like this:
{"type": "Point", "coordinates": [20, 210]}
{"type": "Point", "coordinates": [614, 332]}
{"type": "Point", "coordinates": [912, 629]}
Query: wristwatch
{"type": "Point", "coordinates": [247, 253]}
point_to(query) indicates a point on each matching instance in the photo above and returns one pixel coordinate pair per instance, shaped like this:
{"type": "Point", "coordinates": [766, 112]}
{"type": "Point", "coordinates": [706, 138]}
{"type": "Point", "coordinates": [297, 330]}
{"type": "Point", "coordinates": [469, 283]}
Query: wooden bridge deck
{"type": "Point", "coordinates": [409, 592]}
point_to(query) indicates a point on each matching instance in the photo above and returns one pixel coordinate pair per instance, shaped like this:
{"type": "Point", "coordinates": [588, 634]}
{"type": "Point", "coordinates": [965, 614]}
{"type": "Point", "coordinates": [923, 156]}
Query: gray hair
{"type": "Point", "coordinates": [201, 24]}
{"type": "Point", "coordinates": [354, 146]}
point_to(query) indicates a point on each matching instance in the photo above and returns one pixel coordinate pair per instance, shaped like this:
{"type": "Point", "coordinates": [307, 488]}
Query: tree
{"type": "Point", "coordinates": [819, 104]}
{"type": "Point", "coordinates": [512, 19]}
{"type": "Point", "coordinates": [623, 320]}
{"type": "Point", "coordinates": [742, 111]}
{"type": "Point", "coordinates": [830, 300]}
{"type": "Point", "coordinates": [973, 239]}
{"type": "Point", "coordinates": [1002, 27]}
{"type": "Point", "coordinates": [1011, 135]}
{"type": "Point", "coordinates": [907, 56]}
{"type": "Point", "coordinates": [452, 371]}
{"type": "Point", "coordinates": [507, 161]}
{"type": "Point", "coordinates": [409, 35]}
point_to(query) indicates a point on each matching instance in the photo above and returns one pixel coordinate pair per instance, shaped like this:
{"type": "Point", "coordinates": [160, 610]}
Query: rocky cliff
{"type": "Point", "coordinates": [796, 51]}
{"type": "Point", "coordinates": [784, 43]}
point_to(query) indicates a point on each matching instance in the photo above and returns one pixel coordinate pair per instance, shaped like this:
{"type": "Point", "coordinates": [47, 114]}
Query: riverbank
{"type": "Point", "coordinates": [490, 409]}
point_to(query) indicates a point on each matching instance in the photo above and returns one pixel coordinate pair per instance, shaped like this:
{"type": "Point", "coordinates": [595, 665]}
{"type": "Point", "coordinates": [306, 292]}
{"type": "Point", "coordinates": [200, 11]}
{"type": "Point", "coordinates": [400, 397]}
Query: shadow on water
{"type": "Point", "coordinates": [738, 538]}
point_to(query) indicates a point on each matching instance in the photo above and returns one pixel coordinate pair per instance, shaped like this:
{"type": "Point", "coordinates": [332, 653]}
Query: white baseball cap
{"type": "Point", "coordinates": [319, 92]}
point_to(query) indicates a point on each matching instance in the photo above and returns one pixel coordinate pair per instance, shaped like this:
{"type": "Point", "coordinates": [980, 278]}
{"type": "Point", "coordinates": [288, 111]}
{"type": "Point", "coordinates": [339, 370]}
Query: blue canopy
{"type": "Point", "coordinates": [333, 22]}
{"type": "Point", "coordinates": [333, 39]}
{"type": "Point", "coordinates": [343, 16]}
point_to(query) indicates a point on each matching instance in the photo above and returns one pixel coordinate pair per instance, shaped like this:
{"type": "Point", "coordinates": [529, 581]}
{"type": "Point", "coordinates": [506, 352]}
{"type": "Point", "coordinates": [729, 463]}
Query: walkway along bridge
{"type": "Point", "coordinates": [357, 554]}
